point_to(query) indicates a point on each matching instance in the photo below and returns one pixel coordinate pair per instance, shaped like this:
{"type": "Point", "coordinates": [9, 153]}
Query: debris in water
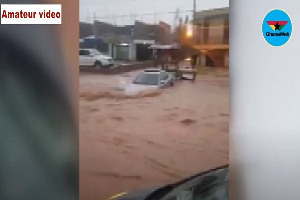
{"type": "Point", "coordinates": [117, 118]}
{"type": "Point", "coordinates": [90, 96]}
{"type": "Point", "coordinates": [188, 121]}
{"type": "Point", "coordinates": [116, 175]}
{"type": "Point", "coordinates": [224, 114]}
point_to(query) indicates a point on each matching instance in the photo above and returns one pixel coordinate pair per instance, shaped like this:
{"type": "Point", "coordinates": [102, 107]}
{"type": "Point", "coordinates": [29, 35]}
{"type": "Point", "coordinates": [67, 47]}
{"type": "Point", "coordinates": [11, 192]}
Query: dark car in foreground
{"type": "Point", "coordinates": [210, 185]}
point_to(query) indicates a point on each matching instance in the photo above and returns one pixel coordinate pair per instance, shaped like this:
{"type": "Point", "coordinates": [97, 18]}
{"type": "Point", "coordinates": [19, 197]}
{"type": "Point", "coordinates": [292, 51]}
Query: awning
{"type": "Point", "coordinates": [212, 47]}
{"type": "Point", "coordinates": [165, 47]}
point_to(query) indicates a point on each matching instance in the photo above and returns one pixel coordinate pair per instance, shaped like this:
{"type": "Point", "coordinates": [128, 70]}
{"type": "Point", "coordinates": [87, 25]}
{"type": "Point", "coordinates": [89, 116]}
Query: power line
{"type": "Point", "coordinates": [118, 2]}
{"type": "Point", "coordinates": [141, 15]}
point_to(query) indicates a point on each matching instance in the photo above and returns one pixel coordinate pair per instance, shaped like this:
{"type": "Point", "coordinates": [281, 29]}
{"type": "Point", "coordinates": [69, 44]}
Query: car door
{"type": "Point", "coordinates": [91, 58]}
{"type": "Point", "coordinates": [163, 78]}
{"type": "Point", "coordinates": [83, 57]}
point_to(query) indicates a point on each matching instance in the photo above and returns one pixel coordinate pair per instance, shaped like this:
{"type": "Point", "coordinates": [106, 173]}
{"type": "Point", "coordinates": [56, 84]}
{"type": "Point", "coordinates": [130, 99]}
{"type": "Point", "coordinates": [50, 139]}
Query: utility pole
{"type": "Point", "coordinates": [175, 28]}
{"type": "Point", "coordinates": [94, 25]}
{"type": "Point", "coordinates": [194, 18]}
{"type": "Point", "coordinates": [194, 10]}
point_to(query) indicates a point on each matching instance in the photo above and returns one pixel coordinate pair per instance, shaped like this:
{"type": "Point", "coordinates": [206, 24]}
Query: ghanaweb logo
{"type": "Point", "coordinates": [277, 28]}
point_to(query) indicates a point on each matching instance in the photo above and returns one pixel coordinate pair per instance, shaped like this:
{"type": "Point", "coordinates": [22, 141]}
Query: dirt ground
{"type": "Point", "coordinates": [129, 143]}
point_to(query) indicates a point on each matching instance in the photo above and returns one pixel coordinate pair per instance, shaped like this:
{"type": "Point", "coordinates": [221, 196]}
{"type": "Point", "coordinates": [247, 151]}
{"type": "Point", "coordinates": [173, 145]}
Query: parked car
{"type": "Point", "coordinates": [150, 79]}
{"type": "Point", "coordinates": [212, 184]}
{"type": "Point", "coordinates": [92, 57]}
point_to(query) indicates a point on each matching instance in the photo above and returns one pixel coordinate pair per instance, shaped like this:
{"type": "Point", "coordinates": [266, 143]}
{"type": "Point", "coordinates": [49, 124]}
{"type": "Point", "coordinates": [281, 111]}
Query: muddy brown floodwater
{"type": "Point", "coordinates": [134, 142]}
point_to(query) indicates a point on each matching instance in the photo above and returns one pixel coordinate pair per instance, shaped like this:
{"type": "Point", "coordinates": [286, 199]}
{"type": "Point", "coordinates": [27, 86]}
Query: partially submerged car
{"type": "Point", "coordinates": [150, 79]}
{"type": "Point", "coordinates": [212, 184]}
{"type": "Point", "coordinates": [92, 57]}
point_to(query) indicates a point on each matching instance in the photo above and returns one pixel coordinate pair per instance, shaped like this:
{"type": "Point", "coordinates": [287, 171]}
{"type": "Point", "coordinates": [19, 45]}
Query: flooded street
{"type": "Point", "coordinates": [149, 139]}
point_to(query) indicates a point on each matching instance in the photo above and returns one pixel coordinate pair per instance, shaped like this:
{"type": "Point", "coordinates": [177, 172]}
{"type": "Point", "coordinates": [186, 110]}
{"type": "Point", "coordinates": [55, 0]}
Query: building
{"type": "Point", "coordinates": [211, 36]}
{"type": "Point", "coordinates": [165, 33]}
{"type": "Point", "coordinates": [128, 42]}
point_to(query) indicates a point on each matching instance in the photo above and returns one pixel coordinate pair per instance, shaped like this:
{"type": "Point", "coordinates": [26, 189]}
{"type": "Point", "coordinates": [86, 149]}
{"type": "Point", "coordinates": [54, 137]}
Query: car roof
{"type": "Point", "coordinates": [154, 70]}
{"type": "Point", "coordinates": [88, 49]}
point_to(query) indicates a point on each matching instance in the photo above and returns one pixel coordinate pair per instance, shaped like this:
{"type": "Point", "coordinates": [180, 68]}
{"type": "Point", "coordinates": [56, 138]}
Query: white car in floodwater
{"type": "Point", "coordinates": [150, 79]}
{"type": "Point", "coordinates": [92, 57]}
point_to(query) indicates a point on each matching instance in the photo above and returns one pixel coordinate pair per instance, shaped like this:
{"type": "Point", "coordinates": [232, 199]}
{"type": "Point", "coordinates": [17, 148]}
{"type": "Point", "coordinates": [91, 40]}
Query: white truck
{"type": "Point", "coordinates": [92, 57]}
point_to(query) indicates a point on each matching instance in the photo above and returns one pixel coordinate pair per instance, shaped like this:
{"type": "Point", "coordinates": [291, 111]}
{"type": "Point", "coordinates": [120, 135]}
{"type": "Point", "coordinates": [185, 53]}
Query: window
{"type": "Point", "coordinates": [84, 52]}
{"type": "Point", "coordinates": [147, 79]}
{"type": "Point", "coordinates": [96, 52]}
{"type": "Point", "coordinates": [163, 76]}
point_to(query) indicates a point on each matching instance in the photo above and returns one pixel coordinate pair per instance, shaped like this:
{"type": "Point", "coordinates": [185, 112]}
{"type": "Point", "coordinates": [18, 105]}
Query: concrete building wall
{"type": "Point", "coordinates": [132, 51]}
{"type": "Point", "coordinates": [216, 31]}
{"type": "Point", "coordinates": [131, 34]}
{"type": "Point", "coordinates": [226, 59]}
{"type": "Point", "coordinates": [212, 26]}
{"type": "Point", "coordinates": [213, 36]}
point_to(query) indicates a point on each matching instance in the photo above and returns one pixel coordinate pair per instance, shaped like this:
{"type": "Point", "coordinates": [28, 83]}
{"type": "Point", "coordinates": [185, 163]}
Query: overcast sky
{"type": "Point", "coordinates": [144, 10]}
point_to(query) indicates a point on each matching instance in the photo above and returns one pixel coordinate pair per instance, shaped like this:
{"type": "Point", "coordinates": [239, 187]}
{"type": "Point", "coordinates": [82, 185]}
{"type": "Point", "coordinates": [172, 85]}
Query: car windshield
{"type": "Point", "coordinates": [147, 79]}
{"type": "Point", "coordinates": [96, 53]}
{"type": "Point", "coordinates": [213, 185]}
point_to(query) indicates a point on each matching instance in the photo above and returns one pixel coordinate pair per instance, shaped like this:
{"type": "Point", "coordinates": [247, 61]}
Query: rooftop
{"type": "Point", "coordinates": [212, 13]}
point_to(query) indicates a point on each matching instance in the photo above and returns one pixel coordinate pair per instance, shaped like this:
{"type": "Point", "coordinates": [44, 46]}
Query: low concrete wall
{"type": "Point", "coordinates": [118, 70]}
